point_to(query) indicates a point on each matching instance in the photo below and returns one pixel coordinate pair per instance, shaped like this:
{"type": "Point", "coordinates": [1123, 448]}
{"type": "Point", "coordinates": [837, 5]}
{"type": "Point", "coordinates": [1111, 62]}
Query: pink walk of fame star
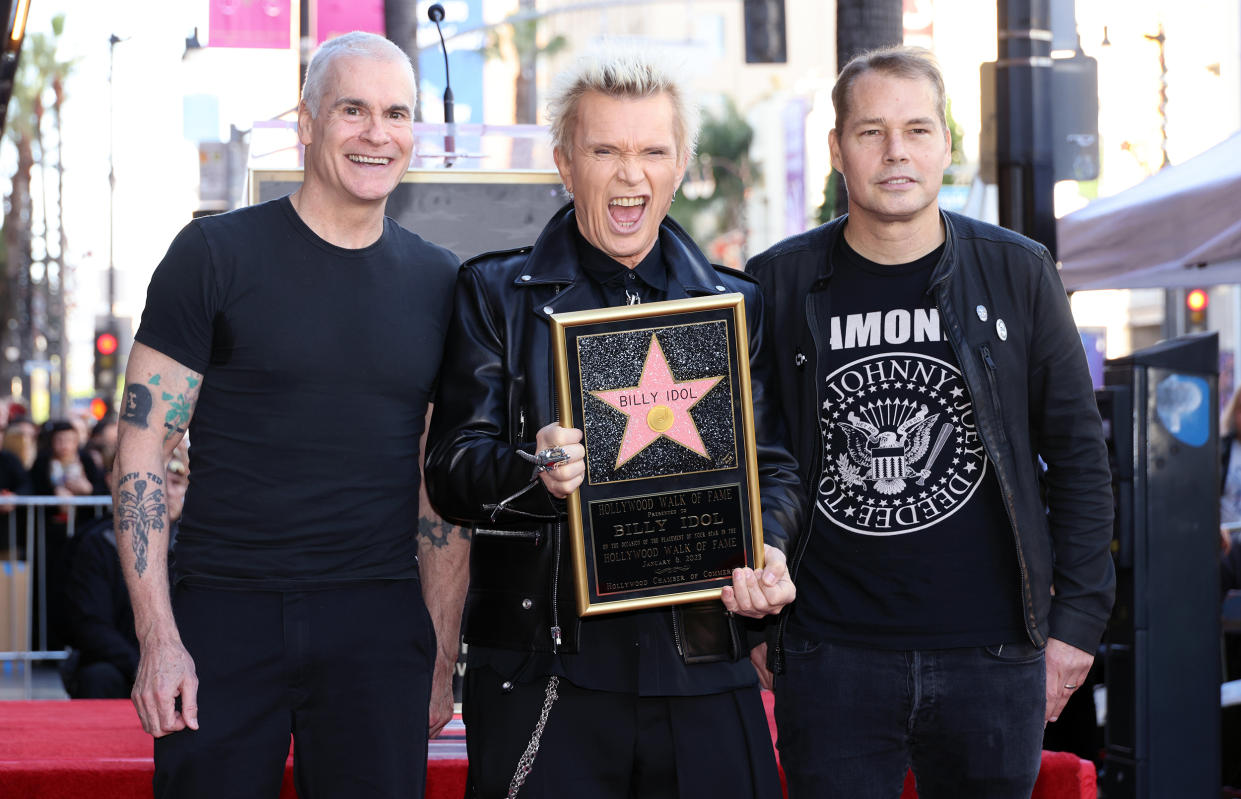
{"type": "Point", "coordinates": [658, 406]}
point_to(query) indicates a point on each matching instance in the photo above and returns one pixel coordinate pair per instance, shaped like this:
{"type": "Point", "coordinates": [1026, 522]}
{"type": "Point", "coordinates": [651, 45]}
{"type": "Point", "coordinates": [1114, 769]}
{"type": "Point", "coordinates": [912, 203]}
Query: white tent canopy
{"type": "Point", "coordinates": [1179, 227]}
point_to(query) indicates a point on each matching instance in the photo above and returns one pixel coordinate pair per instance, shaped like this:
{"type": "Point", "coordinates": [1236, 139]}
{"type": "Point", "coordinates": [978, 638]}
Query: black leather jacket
{"type": "Point", "coordinates": [496, 393]}
{"type": "Point", "coordinates": [1032, 398]}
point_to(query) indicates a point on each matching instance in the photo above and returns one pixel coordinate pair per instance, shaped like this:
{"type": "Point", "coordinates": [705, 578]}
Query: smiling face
{"type": "Point", "coordinates": [622, 171]}
{"type": "Point", "coordinates": [892, 150]}
{"type": "Point", "coordinates": [359, 145]}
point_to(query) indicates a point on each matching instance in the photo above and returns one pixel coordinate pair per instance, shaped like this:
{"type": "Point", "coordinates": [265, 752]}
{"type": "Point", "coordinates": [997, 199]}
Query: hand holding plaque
{"type": "Point", "coordinates": [563, 478]}
{"type": "Point", "coordinates": [668, 506]}
{"type": "Point", "coordinates": [763, 592]}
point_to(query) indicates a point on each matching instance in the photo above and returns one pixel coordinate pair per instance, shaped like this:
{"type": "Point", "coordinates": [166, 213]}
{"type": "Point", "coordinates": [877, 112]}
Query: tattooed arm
{"type": "Point", "coordinates": [444, 569]}
{"type": "Point", "coordinates": [155, 411]}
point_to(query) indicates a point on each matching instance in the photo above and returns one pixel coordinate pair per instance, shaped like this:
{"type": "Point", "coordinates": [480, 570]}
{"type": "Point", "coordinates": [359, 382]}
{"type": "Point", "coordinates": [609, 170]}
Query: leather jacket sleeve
{"type": "Point", "coordinates": [471, 464]}
{"type": "Point", "coordinates": [1067, 434]}
{"type": "Point", "coordinates": [779, 484]}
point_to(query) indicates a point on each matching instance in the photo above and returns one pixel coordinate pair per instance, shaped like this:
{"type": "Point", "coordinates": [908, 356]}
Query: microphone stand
{"type": "Point", "coordinates": [436, 13]}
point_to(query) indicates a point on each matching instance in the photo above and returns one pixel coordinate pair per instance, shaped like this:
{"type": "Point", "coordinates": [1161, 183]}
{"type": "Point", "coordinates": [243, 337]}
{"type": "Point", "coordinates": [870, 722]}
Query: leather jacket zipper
{"type": "Point", "coordinates": [993, 385]}
{"type": "Point", "coordinates": [555, 630]}
{"type": "Point", "coordinates": [676, 632]}
{"type": "Point", "coordinates": [521, 425]}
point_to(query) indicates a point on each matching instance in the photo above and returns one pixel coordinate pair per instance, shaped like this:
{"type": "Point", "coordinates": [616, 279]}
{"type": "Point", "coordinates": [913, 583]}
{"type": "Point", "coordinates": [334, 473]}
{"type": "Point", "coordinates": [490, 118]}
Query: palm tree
{"type": "Point", "coordinates": [32, 309]}
{"type": "Point", "coordinates": [23, 125]}
{"type": "Point", "coordinates": [713, 195]}
{"type": "Point", "coordinates": [520, 32]}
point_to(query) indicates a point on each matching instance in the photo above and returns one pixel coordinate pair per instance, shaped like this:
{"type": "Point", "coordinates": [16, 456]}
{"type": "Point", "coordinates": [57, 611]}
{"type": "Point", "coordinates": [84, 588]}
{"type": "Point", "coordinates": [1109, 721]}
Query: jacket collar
{"type": "Point", "coordinates": [943, 270]}
{"type": "Point", "coordinates": [553, 261]}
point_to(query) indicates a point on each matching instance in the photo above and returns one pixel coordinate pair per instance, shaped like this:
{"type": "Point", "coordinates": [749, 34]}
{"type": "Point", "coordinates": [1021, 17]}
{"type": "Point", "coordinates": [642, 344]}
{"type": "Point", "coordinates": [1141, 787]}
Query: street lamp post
{"type": "Point", "coordinates": [113, 41]}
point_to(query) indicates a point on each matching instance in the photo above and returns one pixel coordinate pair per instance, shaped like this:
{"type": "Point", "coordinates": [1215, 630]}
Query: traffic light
{"type": "Point", "coordinates": [1075, 117]}
{"type": "Point", "coordinates": [107, 347]}
{"type": "Point", "coordinates": [1196, 301]}
{"type": "Point", "coordinates": [99, 408]}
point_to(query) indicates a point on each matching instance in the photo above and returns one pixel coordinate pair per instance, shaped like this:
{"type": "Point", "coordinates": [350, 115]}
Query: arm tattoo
{"type": "Point", "coordinates": [178, 416]}
{"type": "Point", "coordinates": [140, 512]}
{"type": "Point", "coordinates": [437, 531]}
{"type": "Point", "coordinates": [136, 405]}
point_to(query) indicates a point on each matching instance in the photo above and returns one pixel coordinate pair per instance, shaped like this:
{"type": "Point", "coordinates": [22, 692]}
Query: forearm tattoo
{"type": "Point", "coordinates": [180, 405]}
{"type": "Point", "coordinates": [136, 405]}
{"type": "Point", "coordinates": [437, 531]}
{"type": "Point", "coordinates": [137, 402]}
{"type": "Point", "coordinates": [139, 512]}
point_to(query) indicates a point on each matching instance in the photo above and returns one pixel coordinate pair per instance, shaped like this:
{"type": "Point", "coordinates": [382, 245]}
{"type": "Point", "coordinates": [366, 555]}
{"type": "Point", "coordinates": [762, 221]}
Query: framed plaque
{"type": "Point", "coordinates": [669, 504]}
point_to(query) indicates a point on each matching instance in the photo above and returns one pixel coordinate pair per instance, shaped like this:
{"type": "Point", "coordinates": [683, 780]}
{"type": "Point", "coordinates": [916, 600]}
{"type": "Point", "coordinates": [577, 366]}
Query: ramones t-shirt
{"type": "Point", "coordinates": [317, 363]}
{"type": "Point", "coordinates": [910, 544]}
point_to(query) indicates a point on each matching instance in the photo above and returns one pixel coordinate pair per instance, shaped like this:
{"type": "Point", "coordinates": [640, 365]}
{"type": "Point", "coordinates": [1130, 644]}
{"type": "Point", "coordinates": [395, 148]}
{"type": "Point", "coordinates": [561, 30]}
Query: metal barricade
{"type": "Point", "coordinates": [24, 645]}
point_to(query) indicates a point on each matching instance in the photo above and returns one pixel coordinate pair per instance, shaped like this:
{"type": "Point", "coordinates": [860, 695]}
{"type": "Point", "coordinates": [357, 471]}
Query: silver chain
{"type": "Point", "coordinates": [532, 749]}
{"type": "Point", "coordinates": [632, 297]}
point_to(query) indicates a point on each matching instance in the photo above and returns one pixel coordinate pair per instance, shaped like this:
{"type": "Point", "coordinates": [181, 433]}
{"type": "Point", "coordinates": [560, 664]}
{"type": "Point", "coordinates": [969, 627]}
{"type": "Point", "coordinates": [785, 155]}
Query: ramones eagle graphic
{"type": "Point", "coordinates": [886, 439]}
{"type": "Point", "coordinates": [901, 449]}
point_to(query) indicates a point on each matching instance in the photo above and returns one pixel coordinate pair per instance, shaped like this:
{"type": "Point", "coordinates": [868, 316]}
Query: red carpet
{"type": "Point", "coordinates": [95, 748]}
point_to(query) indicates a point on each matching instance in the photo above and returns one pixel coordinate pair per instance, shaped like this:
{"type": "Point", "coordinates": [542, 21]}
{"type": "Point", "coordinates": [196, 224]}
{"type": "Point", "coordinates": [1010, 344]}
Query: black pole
{"type": "Point", "coordinates": [305, 45]}
{"type": "Point", "coordinates": [1023, 110]}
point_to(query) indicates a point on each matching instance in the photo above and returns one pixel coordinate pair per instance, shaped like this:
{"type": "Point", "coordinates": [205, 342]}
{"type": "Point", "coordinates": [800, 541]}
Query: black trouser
{"type": "Point", "coordinates": [606, 745]}
{"type": "Point", "coordinates": [853, 720]}
{"type": "Point", "coordinates": [345, 670]}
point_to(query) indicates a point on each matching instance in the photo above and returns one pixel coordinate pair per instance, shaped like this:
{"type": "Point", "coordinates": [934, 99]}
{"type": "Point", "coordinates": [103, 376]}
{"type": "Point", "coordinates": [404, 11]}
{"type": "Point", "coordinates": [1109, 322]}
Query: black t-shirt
{"type": "Point", "coordinates": [317, 363]}
{"type": "Point", "coordinates": [911, 546]}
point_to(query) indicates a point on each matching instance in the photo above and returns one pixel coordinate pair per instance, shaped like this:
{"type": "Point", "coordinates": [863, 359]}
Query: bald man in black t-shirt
{"type": "Point", "coordinates": [299, 341]}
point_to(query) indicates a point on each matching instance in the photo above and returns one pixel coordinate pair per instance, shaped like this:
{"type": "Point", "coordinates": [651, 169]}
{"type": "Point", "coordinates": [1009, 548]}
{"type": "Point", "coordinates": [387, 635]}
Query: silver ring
{"type": "Point", "coordinates": [1070, 685]}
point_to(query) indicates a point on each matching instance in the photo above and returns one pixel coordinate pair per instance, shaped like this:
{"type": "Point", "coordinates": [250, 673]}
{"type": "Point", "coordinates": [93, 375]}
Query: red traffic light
{"type": "Point", "coordinates": [98, 408]}
{"type": "Point", "coordinates": [105, 344]}
{"type": "Point", "coordinates": [1197, 300]}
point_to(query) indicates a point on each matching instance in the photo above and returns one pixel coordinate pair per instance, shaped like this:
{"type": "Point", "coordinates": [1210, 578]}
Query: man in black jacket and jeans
{"type": "Point", "coordinates": [951, 591]}
{"type": "Point", "coordinates": [658, 703]}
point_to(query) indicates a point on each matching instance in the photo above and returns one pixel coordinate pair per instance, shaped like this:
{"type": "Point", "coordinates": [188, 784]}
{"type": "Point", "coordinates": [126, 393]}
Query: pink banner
{"type": "Point", "coordinates": [334, 17]}
{"type": "Point", "coordinates": [249, 23]}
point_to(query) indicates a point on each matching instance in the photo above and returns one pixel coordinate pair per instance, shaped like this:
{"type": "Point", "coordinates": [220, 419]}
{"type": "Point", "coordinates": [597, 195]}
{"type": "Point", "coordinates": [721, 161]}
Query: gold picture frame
{"type": "Point", "coordinates": [670, 501]}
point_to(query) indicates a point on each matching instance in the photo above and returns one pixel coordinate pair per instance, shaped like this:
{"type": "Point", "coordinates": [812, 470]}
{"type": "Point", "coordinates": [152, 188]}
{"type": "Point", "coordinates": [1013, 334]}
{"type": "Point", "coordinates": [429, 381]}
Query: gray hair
{"type": "Point", "coordinates": [354, 44]}
{"type": "Point", "coordinates": [902, 61]}
{"type": "Point", "coordinates": [621, 72]}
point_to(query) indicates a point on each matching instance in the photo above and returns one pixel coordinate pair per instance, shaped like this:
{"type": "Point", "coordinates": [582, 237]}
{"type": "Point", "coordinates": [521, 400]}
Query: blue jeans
{"type": "Point", "coordinates": [969, 721]}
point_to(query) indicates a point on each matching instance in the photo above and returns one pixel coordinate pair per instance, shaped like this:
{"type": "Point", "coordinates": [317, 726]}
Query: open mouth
{"type": "Point", "coordinates": [376, 160]}
{"type": "Point", "coordinates": [901, 181]}
{"type": "Point", "coordinates": [626, 212]}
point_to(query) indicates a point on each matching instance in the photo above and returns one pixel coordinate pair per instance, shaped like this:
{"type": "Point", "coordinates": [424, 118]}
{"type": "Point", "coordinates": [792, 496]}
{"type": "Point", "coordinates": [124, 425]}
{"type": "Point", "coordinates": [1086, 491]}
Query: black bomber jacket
{"type": "Point", "coordinates": [1032, 396]}
{"type": "Point", "coordinates": [496, 392]}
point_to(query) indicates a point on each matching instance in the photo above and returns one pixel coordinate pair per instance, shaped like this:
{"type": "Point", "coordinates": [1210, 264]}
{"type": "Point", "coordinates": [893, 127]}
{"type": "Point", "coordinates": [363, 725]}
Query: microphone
{"type": "Point", "coordinates": [436, 14]}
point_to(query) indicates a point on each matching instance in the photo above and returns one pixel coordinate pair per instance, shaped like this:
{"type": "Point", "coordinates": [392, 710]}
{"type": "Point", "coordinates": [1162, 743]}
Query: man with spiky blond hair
{"type": "Point", "coordinates": [658, 703]}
